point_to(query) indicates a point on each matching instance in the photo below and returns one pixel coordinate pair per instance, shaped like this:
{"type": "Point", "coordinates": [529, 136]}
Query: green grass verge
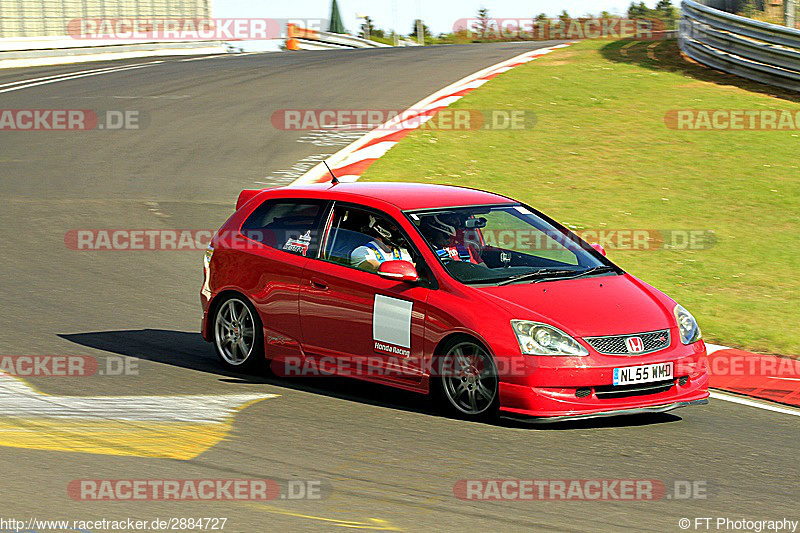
{"type": "Point", "coordinates": [600, 156]}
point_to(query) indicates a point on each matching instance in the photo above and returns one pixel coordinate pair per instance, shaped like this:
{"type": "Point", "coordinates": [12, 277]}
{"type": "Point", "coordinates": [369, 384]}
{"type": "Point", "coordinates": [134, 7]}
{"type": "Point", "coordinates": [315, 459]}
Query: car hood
{"type": "Point", "coordinates": [602, 305]}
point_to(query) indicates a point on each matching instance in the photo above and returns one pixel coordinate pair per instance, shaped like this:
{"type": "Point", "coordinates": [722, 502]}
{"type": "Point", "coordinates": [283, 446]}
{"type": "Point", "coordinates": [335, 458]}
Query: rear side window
{"type": "Point", "coordinates": [288, 225]}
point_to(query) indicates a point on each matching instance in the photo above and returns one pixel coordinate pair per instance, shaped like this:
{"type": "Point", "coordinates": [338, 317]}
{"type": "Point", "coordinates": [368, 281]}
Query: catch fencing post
{"type": "Point", "coordinates": [790, 13]}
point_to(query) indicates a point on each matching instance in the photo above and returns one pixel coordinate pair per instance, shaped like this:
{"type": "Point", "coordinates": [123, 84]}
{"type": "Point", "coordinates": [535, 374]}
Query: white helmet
{"type": "Point", "coordinates": [389, 235]}
{"type": "Point", "coordinates": [435, 223]}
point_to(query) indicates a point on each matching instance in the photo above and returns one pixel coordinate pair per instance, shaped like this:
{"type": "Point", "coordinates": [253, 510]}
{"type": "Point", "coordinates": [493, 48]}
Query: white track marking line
{"type": "Point", "coordinates": [711, 348]}
{"type": "Point", "coordinates": [444, 102]}
{"type": "Point", "coordinates": [472, 85]}
{"type": "Point", "coordinates": [373, 152]}
{"type": "Point", "coordinates": [751, 403]}
{"type": "Point", "coordinates": [203, 57]}
{"type": "Point", "coordinates": [62, 75]}
{"type": "Point", "coordinates": [18, 399]}
{"type": "Point", "coordinates": [80, 74]}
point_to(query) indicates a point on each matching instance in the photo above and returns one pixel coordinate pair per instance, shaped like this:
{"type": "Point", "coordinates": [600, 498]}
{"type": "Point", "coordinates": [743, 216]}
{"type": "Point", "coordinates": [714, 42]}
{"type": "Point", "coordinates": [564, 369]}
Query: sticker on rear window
{"type": "Point", "coordinates": [522, 210]}
{"type": "Point", "coordinates": [300, 245]}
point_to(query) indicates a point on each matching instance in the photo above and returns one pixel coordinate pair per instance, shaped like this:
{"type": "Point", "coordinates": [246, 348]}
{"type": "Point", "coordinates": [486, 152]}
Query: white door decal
{"type": "Point", "coordinates": [391, 321]}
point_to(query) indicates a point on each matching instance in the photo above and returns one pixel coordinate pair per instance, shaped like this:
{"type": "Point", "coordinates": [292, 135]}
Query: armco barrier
{"type": "Point", "coordinates": [38, 51]}
{"type": "Point", "coordinates": [749, 48]}
{"type": "Point", "coordinates": [305, 39]}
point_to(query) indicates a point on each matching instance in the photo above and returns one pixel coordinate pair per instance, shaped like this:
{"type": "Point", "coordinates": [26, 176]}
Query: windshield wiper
{"type": "Point", "coordinates": [545, 274]}
{"type": "Point", "coordinates": [588, 272]}
{"type": "Point", "coordinates": [542, 272]}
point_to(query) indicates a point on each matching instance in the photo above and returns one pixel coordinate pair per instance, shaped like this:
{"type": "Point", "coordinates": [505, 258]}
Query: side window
{"type": "Point", "coordinates": [362, 239]}
{"type": "Point", "coordinates": [288, 225]}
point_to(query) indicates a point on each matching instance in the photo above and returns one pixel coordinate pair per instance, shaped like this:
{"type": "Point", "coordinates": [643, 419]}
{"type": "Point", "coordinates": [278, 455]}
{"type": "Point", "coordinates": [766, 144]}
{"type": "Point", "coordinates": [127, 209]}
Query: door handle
{"type": "Point", "coordinates": [319, 284]}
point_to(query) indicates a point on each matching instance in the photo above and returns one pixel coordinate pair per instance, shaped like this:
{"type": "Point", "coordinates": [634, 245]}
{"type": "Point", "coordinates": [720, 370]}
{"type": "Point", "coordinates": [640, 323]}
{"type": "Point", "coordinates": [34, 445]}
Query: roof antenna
{"type": "Point", "coordinates": [335, 180]}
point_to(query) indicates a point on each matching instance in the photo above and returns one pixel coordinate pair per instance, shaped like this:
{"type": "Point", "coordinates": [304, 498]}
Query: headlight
{"type": "Point", "coordinates": [536, 338]}
{"type": "Point", "coordinates": [690, 331]}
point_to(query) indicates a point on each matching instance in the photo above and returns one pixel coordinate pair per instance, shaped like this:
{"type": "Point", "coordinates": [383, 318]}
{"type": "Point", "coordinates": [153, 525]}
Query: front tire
{"type": "Point", "coordinates": [468, 383]}
{"type": "Point", "coordinates": [238, 335]}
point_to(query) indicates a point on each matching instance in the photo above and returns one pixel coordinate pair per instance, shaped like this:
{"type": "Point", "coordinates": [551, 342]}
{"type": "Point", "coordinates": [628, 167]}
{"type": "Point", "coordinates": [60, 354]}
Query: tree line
{"type": "Point", "coordinates": [664, 11]}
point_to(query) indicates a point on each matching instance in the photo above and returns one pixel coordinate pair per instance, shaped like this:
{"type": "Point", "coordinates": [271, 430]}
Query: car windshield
{"type": "Point", "coordinates": [505, 244]}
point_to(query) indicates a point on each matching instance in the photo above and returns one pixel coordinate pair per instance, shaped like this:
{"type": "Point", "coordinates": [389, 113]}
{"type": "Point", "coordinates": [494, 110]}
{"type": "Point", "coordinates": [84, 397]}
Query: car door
{"type": "Point", "coordinates": [280, 237]}
{"type": "Point", "coordinates": [370, 324]}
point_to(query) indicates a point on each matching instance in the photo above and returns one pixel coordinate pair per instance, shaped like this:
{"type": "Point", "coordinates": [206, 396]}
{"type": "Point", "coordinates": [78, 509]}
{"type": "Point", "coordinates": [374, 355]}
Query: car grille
{"type": "Point", "coordinates": [639, 389]}
{"type": "Point", "coordinates": [653, 341]}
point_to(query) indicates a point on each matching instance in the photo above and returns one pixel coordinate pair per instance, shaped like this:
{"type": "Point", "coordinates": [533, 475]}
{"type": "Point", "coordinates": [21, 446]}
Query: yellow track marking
{"type": "Point", "coordinates": [375, 524]}
{"type": "Point", "coordinates": [172, 427]}
{"type": "Point", "coordinates": [112, 437]}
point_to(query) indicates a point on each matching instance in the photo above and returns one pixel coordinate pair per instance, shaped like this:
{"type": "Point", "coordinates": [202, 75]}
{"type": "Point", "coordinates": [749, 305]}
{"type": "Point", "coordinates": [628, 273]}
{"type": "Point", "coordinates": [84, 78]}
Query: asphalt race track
{"type": "Point", "coordinates": [386, 459]}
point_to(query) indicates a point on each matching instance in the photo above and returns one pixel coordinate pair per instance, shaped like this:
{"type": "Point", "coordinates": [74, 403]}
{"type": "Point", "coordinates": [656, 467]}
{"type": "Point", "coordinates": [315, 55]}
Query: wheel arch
{"type": "Point", "coordinates": [438, 351]}
{"type": "Point", "coordinates": [219, 298]}
{"type": "Point", "coordinates": [436, 387]}
{"type": "Point", "coordinates": [450, 337]}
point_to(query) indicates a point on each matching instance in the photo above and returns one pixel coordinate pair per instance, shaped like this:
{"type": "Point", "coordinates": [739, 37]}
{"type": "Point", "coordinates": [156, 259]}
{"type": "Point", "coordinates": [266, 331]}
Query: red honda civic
{"type": "Point", "coordinates": [473, 297]}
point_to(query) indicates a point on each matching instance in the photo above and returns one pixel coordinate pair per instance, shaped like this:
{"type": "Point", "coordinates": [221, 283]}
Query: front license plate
{"type": "Point", "coordinates": [642, 374]}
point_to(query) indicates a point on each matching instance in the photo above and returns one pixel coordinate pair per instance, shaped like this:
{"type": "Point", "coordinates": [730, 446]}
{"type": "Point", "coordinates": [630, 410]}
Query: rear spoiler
{"type": "Point", "coordinates": [245, 196]}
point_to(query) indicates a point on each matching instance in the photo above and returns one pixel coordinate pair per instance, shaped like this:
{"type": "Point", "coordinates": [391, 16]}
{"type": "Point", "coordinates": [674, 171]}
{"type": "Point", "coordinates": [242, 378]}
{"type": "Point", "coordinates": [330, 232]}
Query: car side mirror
{"type": "Point", "coordinates": [398, 271]}
{"type": "Point", "coordinates": [599, 248]}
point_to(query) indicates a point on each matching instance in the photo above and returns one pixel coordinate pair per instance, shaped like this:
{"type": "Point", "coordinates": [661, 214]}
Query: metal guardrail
{"type": "Point", "coordinates": [752, 49]}
{"type": "Point", "coordinates": [39, 51]}
{"type": "Point", "coordinates": [318, 40]}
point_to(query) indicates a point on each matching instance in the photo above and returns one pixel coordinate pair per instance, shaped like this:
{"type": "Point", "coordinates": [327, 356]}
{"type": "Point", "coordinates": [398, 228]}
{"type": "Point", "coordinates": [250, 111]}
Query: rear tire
{"type": "Point", "coordinates": [467, 383]}
{"type": "Point", "coordinates": [238, 335]}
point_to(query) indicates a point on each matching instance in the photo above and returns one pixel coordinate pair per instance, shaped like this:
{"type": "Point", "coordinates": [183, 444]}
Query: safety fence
{"type": "Point", "coordinates": [749, 48]}
{"type": "Point", "coordinates": [42, 32]}
{"type": "Point", "coordinates": [41, 18]}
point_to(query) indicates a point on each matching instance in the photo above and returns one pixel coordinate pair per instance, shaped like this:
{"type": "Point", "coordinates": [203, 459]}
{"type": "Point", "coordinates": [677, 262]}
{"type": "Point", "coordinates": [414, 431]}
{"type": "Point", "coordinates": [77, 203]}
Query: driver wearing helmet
{"type": "Point", "coordinates": [447, 232]}
{"type": "Point", "coordinates": [386, 246]}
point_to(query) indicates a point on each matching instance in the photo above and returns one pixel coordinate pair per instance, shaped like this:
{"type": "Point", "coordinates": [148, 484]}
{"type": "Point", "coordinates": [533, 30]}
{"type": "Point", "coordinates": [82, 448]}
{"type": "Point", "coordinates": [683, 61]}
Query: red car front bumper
{"type": "Point", "coordinates": [554, 392]}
